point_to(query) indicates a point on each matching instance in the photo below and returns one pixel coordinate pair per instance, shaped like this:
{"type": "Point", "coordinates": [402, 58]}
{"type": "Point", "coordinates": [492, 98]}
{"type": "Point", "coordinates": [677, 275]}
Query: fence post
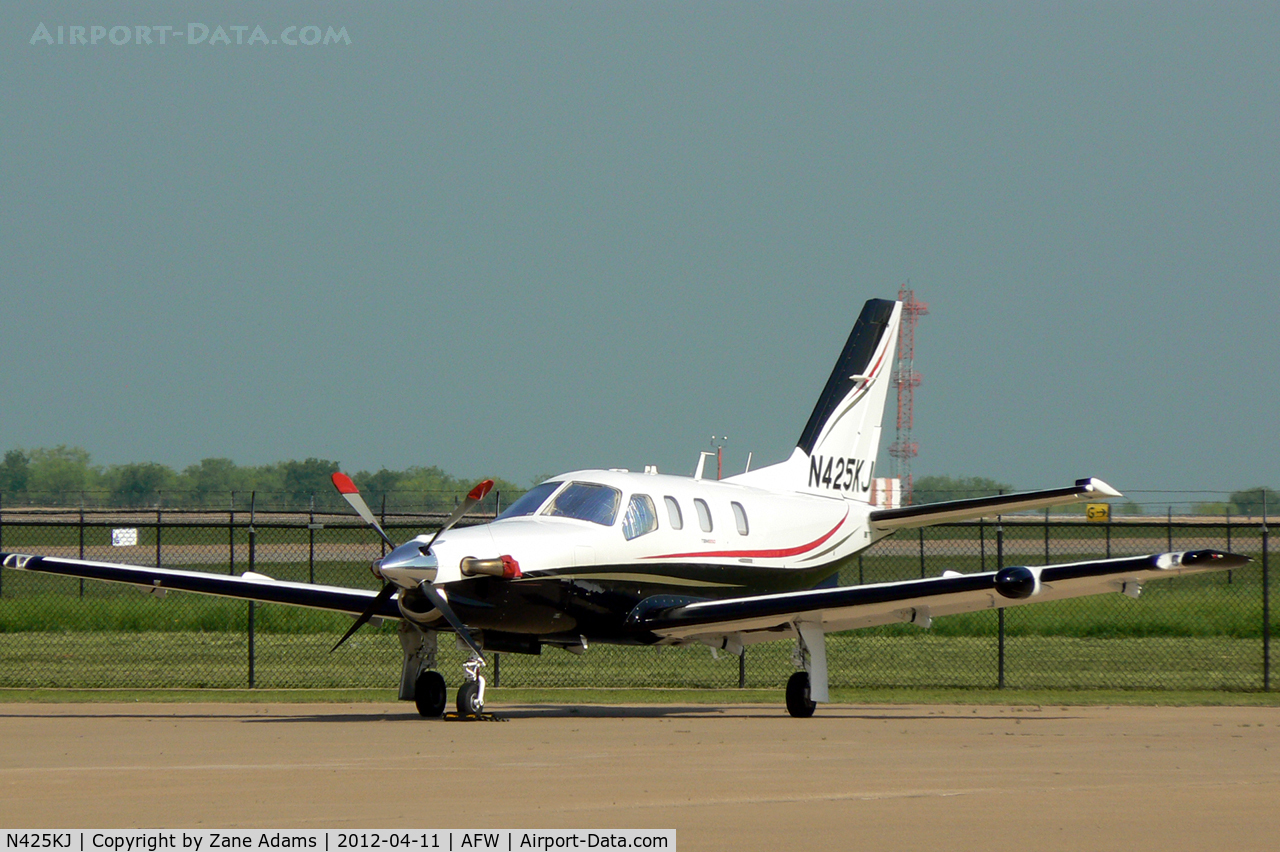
{"type": "Point", "coordinates": [1046, 535]}
{"type": "Point", "coordinates": [231, 536]}
{"type": "Point", "coordinates": [311, 540]}
{"type": "Point", "coordinates": [742, 668]}
{"type": "Point", "coordinates": [921, 553]}
{"type": "Point", "coordinates": [1108, 533]}
{"type": "Point", "coordinates": [982, 544]}
{"type": "Point", "coordinates": [1, 541]}
{"type": "Point", "coordinates": [497, 669]}
{"type": "Point", "coordinates": [384, 522]}
{"type": "Point", "coordinates": [1000, 611]}
{"type": "Point", "coordinates": [860, 580]}
{"type": "Point", "coordinates": [1266, 600]}
{"type": "Point", "coordinates": [1229, 573]}
{"type": "Point", "coordinates": [157, 529]}
{"type": "Point", "coordinates": [251, 619]}
{"type": "Point", "coordinates": [253, 536]}
{"type": "Point", "coordinates": [1169, 527]}
{"type": "Point", "coordinates": [82, 539]}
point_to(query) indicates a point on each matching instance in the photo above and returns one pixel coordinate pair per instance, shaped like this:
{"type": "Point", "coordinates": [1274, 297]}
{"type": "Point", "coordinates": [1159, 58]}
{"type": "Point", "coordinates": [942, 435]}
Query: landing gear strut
{"type": "Point", "coordinates": [808, 688]}
{"type": "Point", "coordinates": [418, 683]}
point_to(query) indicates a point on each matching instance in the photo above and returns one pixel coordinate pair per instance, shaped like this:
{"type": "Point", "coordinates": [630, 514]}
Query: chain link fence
{"type": "Point", "coordinates": [1202, 632]}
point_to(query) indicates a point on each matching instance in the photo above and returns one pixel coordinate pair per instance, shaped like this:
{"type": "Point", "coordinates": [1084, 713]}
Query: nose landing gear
{"type": "Point", "coordinates": [471, 693]}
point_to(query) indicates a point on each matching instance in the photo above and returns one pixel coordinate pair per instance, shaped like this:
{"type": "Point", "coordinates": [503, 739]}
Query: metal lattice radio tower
{"type": "Point", "coordinates": [906, 380]}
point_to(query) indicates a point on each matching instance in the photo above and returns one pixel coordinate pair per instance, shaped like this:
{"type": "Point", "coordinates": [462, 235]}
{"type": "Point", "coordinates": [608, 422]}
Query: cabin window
{"type": "Point", "coordinates": [704, 514]}
{"type": "Point", "coordinates": [740, 515]}
{"type": "Point", "coordinates": [587, 501]}
{"type": "Point", "coordinates": [673, 513]}
{"type": "Point", "coordinates": [531, 501]}
{"type": "Point", "coordinates": [641, 517]}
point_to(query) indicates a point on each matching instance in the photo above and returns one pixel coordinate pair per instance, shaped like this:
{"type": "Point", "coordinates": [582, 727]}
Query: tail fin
{"type": "Point", "coordinates": [836, 453]}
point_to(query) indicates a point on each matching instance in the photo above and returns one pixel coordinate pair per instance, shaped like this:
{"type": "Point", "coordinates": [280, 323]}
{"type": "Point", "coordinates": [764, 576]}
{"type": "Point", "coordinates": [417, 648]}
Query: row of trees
{"type": "Point", "coordinates": [66, 476]}
{"type": "Point", "coordinates": [935, 489]}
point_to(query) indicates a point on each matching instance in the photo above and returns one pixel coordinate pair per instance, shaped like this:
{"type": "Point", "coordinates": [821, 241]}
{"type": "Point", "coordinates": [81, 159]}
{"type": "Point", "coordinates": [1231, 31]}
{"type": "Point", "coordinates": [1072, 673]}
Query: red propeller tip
{"type": "Point", "coordinates": [481, 490]}
{"type": "Point", "coordinates": [343, 483]}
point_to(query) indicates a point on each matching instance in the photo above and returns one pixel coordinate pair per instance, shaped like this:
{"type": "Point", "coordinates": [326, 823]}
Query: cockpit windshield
{"type": "Point", "coordinates": [587, 501]}
{"type": "Point", "coordinates": [531, 501]}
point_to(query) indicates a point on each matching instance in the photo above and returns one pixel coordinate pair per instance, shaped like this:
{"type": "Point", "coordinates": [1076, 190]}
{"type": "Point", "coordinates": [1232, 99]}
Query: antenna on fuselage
{"type": "Point", "coordinates": [702, 463]}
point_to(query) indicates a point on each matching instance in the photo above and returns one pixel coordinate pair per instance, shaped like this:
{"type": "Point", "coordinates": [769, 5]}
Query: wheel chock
{"type": "Point", "coordinates": [472, 717]}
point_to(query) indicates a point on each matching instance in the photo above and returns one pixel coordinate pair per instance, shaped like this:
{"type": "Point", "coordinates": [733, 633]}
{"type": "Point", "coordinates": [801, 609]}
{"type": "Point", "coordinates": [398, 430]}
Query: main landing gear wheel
{"type": "Point", "coordinates": [428, 694]}
{"type": "Point", "coordinates": [469, 702]}
{"type": "Point", "coordinates": [798, 703]}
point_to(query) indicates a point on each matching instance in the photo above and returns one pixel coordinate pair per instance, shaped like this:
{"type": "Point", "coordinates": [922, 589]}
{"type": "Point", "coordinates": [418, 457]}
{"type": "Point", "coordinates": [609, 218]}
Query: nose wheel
{"type": "Point", "coordinates": [471, 693]}
{"type": "Point", "coordinates": [470, 703]}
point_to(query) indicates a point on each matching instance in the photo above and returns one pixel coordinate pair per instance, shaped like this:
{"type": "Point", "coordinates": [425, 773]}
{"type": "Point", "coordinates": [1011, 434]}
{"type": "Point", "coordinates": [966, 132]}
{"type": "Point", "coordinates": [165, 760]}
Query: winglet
{"type": "Point", "coordinates": [343, 483]}
{"type": "Point", "coordinates": [1095, 486]}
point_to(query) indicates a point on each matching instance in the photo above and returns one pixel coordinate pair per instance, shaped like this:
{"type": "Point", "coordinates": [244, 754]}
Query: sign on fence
{"type": "Point", "coordinates": [1098, 513]}
{"type": "Point", "coordinates": [124, 537]}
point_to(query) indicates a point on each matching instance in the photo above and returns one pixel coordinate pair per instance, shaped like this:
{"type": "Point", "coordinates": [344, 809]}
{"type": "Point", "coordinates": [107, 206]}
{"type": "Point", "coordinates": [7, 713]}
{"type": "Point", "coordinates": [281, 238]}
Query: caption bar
{"type": "Point", "coordinates": [331, 840]}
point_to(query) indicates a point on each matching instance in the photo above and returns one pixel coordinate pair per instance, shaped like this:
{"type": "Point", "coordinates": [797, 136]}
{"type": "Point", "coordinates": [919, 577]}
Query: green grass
{"type": "Point", "coordinates": [220, 660]}
{"type": "Point", "coordinates": [137, 612]}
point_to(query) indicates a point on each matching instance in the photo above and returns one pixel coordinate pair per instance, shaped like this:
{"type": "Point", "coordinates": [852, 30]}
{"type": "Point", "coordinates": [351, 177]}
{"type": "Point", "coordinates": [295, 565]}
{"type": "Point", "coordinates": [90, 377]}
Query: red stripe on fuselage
{"type": "Point", "coordinates": [758, 554]}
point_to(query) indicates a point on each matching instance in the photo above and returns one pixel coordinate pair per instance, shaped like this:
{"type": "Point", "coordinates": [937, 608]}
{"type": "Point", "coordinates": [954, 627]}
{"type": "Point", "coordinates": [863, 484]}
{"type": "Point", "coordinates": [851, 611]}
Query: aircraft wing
{"type": "Point", "coordinates": [926, 514]}
{"type": "Point", "coordinates": [253, 587]}
{"type": "Point", "coordinates": [761, 618]}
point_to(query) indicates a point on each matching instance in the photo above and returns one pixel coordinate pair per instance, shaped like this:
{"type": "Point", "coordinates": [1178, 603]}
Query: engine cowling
{"type": "Point", "coordinates": [418, 608]}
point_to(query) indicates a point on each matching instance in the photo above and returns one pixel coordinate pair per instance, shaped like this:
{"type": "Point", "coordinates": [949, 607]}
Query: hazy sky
{"type": "Point", "coordinates": [520, 239]}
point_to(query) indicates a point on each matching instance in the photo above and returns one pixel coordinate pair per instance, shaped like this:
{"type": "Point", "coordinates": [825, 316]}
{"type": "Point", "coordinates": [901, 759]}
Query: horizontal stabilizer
{"type": "Point", "coordinates": [925, 515]}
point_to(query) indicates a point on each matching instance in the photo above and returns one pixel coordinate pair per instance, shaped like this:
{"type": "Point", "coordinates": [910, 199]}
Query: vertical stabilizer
{"type": "Point", "coordinates": [836, 453]}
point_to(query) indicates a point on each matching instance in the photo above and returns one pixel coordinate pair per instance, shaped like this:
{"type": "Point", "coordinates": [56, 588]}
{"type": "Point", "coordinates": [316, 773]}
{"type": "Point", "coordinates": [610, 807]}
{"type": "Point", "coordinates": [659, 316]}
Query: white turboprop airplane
{"type": "Point", "coordinates": [645, 559]}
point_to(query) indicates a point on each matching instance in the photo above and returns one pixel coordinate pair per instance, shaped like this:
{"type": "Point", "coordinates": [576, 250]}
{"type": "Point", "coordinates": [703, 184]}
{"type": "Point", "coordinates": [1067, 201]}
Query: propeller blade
{"type": "Point", "coordinates": [383, 596]}
{"type": "Point", "coordinates": [438, 600]}
{"type": "Point", "coordinates": [351, 494]}
{"type": "Point", "coordinates": [474, 496]}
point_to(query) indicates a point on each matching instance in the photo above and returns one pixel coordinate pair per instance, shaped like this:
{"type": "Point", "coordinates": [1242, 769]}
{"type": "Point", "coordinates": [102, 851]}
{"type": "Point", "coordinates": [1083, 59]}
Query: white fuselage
{"type": "Point", "coordinates": [716, 526]}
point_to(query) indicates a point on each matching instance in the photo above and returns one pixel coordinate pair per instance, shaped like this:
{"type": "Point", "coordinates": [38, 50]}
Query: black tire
{"type": "Point", "coordinates": [798, 703]}
{"type": "Point", "coordinates": [469, 703]}
{"type": "Point", "coordinates": [429, 694]}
